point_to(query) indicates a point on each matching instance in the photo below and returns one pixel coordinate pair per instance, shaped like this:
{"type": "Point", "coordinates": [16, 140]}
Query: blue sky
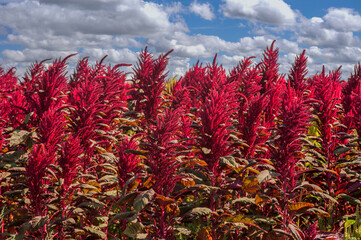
{"type": "Point", "coordinates": [329, 31]}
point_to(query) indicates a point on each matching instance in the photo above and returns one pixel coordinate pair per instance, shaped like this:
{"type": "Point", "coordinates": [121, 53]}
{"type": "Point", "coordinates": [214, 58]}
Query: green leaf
{"type": "Point", "coordinates": [266, 175]}
{"type": "Point", "coordinates": [241, 219]}
{"type": "Point", "coordinates": [143, 199]}
{"type": "Point", "coordinates": [349, 222]}
{"type": "Point", "coordinates": [245, 200]}
{"type": "Point", "coordinates": [52, 207]}
{"type": "Point", "coordinates": [229, 161]}
{"type": "Point", "coordinates": [198, 212]}
{"type": "Point", "coordinates": [111, 193]}
{"type": "Point", "coordinates": [319, 212]}
{"type": "Point", "coordinates": [324, 196]}
{"type": "Point", "coordinates": [27, 118]}
{"type": "Point", "coordinates": [352, 200]}
{"type": "Point", "coordinates": [341, 150]}
{"type": "Point", "coordinates": [88, 186]}
{"type": "Point", "coordinates": [299, 206]}
{"type": "Point", "coordinates": [127, 198]}
{"type": "Point", "coordinates": [259, 219]}
{"type": "Point", "coordinates": [95, 232]}
{"type": "Point", "coordinates": [182, 230]}
{"type": "Point", "coordinates": [109, 157]}
{"type": "Point", "coordinates": [296, 232]}
{"type": "Point", "coordinates": [283, 232]}
{"type": "Point", "coordinates": [18, 137]}
{"type": "Point", "coordinates": [34, 224]}
{"type": "Point", "coordinates": [88, 176]}
{"type": "Point", "coordinates": [108, 178]}
{"type": "Point", "coordinates": [15, 192]}
{"type": "Point", "coordinates": [102, 219]}
{"type": "Point", "coordinates": [129, 181]}
{"type": "Point", "coordinates": [68, 221]}
{"type": "Point", "coordinates": [136, 230]}
{"type": "Point", "coordinates": [129, 216]}
{"type": "Point", "coordinates": [206, 150]}
{"type": "Point", "coordinates": [306, 184]}
{"type": "Point", "coordinates": [90, 205]}
{"type": "Point", "coordinates": [78, 211]}
{"type": "Point", "coordinates": [135, 152]}
{"type": "Point", "coordinates": [17, 169]}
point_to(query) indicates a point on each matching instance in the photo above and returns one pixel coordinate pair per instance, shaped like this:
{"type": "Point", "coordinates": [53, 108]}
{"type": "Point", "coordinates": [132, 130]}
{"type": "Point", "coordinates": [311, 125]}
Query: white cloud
{"type": "Point", "coordinates": [316, 20]}
{"type": "Point", "coordinates": [350, 55]}
{"type": "Point", "coordinates": [174, 8]}
{"type": "Point", "coordinates": [123, 55]}
{"type": "Point", "coordinates": [343, 20]}
{"type": "Point", "coordinates": [204, 10]}
{"type": "Point", "coordinates": [51, 28]}
{"type": "Point", "coordinates": [314, 32]}
{"type": "Point", "coordinates": [206, 46]}
{"type": "Point", "coordinates": [14, 55]}
{"type": "Point", "coordinates": [178, 66]}
{"type": "Point", "coordinates": [31, 55]}
{"type": "Point", "coordinates": [275, 12]}
{"type": "Point", "coordinates": [130, 18]}
{"type": "Point", "coordinates": [59, 25]}
{"type": "Point", "coordinates": [119, 28]}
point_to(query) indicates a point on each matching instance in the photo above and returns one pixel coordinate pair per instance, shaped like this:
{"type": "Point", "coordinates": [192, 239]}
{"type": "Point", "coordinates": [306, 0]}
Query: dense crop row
{"type": "Point", "coordinates": [248, 154]}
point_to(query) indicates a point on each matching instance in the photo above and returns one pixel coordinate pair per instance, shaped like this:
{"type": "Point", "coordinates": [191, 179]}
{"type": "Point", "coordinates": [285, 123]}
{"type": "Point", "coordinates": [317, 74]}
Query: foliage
{"type": "Point", "coordinates": [252, 154]}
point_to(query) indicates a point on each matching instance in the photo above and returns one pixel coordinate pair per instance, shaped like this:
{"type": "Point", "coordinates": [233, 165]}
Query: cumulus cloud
{"type": "Point", "coordinates": [206, 46]}
{"type": "Point", "coordinates": [49, 28]}
{"type": "Point", "coordinates": [133, 18]}
{"type": "Point", "coordinates": [314, 32]}
{"type": "Point", "coordinates": [275, 12]}
{"type": "Point", "coordinates": [123, 55]}
{"type": "Point", "coordinates": [204, 10]}
{"type": "Point", "coordinates": [31, 55]}
{"type": "Point", "coordinates": [178, 66]}
{"type": "Point", "coordinates": [120, 28]}
{"type": "Point", "coordinates": [350, 55]}
{"type": "Point", "coordinates": [343, 20]}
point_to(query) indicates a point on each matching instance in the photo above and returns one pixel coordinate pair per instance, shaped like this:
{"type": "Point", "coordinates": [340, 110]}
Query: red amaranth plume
{"type": "Point", "coordinates": [351, 100]}
{"type": "Point", "coordinates": [97, 98]}
{"type": "Point", "coordinates": [295, 116]}
{"type": "Point", "coordinates": [39, 159]}
{"type": "Point", "coordinates": [215, 77]}
{"type": "Point", "coordinates": [269, 68]}
{"type": "Point", "coordinates": [216, 73]}
{"type": "Point", "coordinates": [83, 109]}
{"type": "Point", "coordinates": [69, 161]}
{"type": "Point", "coordinates": [355, 113]}
{"type": "Point", "coordinates": [195, 80]}
{"type": "Point", "coordinates": [9, 93]}
{"type": "Point", "coordinates": [149, 83]}
{"type": "Point", "coordinates": [272, 84]}
{"type": "Point", "coordinates": [111, 80]}
{"type": "Point", "coordinates": [126, 162]}
{"type": "Point", "coordinates": [215, 114]}
{"type": "Point", "coordinates": [51, 129]}
{"type": "Point", "coordinates": [327, 93]}
{"type": "Point", "coordinates": [350, 92]}
{"type": "Point", "coordinates": [250, 123]}
{"type": "Point", "coordinates": [180, 95]}
{"type": "Point", "coordinates": [8, 81]}
{"type": "Point", "coordinates": [239, 72]}
{"type": "Point", "coordinates": [297, 75]}
{"type": "Point", "coordinates": [161, 145]}
{"type": "Point", "coordinates": [44, 88]}
{"type": "Point", "coordinates": [114, 87]}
